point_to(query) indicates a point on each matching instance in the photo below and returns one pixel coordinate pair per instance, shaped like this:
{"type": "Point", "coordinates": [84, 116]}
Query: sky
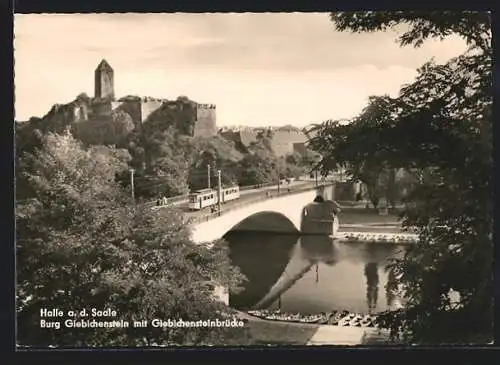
{"type": "Point", "coordinates": [259, 69]}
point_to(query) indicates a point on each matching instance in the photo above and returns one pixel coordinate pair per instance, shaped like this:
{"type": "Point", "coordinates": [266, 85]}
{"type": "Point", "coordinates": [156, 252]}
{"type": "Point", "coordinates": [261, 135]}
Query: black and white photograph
{"type": "Point", "coordinates": [253, 179]}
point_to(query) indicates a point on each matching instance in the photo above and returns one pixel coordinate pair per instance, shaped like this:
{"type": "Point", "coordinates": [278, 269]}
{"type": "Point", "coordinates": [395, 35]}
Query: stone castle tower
{"type": "Point", "coordinates": [104, 81]}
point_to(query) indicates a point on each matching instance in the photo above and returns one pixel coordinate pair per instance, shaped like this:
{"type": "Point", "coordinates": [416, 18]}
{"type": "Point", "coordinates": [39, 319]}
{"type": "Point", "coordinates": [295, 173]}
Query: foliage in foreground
{"type": "Point", "coordinates": [81, 245]}
{"type": "Point", "coordinates": [439, 125]}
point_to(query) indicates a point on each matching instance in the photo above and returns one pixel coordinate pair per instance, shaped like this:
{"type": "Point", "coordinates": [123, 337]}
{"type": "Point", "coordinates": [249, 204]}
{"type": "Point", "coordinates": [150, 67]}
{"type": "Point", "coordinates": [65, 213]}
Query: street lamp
{"type": "Point", "coordinates": [132, 188]}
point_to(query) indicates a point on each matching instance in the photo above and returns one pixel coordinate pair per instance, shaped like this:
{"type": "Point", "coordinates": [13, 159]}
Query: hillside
{"type": "Point", "coordinates": [160, 137]}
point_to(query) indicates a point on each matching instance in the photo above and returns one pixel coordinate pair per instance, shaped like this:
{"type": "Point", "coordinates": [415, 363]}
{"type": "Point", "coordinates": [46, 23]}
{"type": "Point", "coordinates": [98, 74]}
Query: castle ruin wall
{"type": "Point", "coordinates": [206, 120]}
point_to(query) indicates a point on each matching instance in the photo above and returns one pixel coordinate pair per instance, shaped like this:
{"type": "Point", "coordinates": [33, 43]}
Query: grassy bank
{"type": "Point", "coordinates": [264, 332]}
{"type": "Point", "coordinates": [280, 333]}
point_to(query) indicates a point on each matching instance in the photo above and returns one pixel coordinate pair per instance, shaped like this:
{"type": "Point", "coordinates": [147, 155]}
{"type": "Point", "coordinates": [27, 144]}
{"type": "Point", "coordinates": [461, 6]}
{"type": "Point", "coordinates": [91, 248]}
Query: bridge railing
{"type": "Point", "coordinates": [257, 186]}
{"type": "Point", "coordinates": [205, 217]}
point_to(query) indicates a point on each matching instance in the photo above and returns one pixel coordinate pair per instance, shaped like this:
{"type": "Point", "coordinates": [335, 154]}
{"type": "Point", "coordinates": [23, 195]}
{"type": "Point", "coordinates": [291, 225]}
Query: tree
{"type": "Point", "coordinates": [294, 165]}
{"type": "Point", "coordinates": [258, 165]}
{"type": "Point", "coordinates": [474, 27]}
{"type": "Point", "coordinates": [81, 245]}
{"type": "Point", "coordinates": [217, 152]}
{"type": "Point", "coordinates": [356, 147]}
{"type": "Point", "coordinates": [440, 124]}
{"type": "Point", "coordinates": [255, 169]}
{"type": "Point", "coordinates": [161, 160]}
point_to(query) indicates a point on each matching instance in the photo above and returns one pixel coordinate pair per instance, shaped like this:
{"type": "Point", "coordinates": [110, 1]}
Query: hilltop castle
{"type": "Point", "coordinates": [139, 108]}
{"type": "Point", "coordinates": [194, 119]}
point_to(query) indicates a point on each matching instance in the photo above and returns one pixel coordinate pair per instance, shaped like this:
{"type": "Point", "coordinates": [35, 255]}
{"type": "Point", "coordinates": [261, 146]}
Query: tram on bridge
{"type": "Point", "coordinates": [204, 198]}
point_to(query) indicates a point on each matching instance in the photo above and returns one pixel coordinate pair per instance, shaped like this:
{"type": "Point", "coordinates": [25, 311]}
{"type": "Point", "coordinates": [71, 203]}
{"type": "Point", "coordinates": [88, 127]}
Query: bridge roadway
{"type": "Point", "coordinates": [245, 191]}
{"type": "Point", "coordinates": [247, 196]}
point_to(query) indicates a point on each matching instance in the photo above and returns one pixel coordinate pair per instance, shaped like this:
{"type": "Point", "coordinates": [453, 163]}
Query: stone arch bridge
{"type": "Point", "coordinates": [281, 214]}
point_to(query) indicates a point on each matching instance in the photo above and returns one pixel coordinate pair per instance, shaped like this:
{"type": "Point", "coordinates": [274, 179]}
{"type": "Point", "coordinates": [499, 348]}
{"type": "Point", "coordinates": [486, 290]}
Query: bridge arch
{"type": "Point", "coordinates": [266, 221]}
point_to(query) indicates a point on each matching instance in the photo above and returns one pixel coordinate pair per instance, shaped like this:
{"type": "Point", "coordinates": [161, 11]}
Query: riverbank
{"type": "Point", "coordinates": [359, 221]}
{"type": "Point", "coordinates": [268, 332]}
{"type": "Point", "coordinates": [265, 332]}
{"type": "Point", "coordinates": [376, 237]}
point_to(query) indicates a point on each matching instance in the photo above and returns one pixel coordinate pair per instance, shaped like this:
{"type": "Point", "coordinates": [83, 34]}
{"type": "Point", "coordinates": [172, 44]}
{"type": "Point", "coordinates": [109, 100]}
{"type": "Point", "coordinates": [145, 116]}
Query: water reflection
{"type": "Point", "coordinates": [294, 271]}
{"type": "Point", "coordinates": [391, 288]}
{"type": "Point", "coordinates": [312, 274]}
{"type": "Point", "coordinates": [372, 280]}
{"type": "Point", "coordinates": [262, 259]}
{"type": "Point", "coordinates": [318, 248]}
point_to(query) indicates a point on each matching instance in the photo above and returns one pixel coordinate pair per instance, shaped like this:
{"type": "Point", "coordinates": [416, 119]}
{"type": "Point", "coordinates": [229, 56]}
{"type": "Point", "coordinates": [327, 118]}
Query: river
{"type": "Point", "coordinates": [312, 274]}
